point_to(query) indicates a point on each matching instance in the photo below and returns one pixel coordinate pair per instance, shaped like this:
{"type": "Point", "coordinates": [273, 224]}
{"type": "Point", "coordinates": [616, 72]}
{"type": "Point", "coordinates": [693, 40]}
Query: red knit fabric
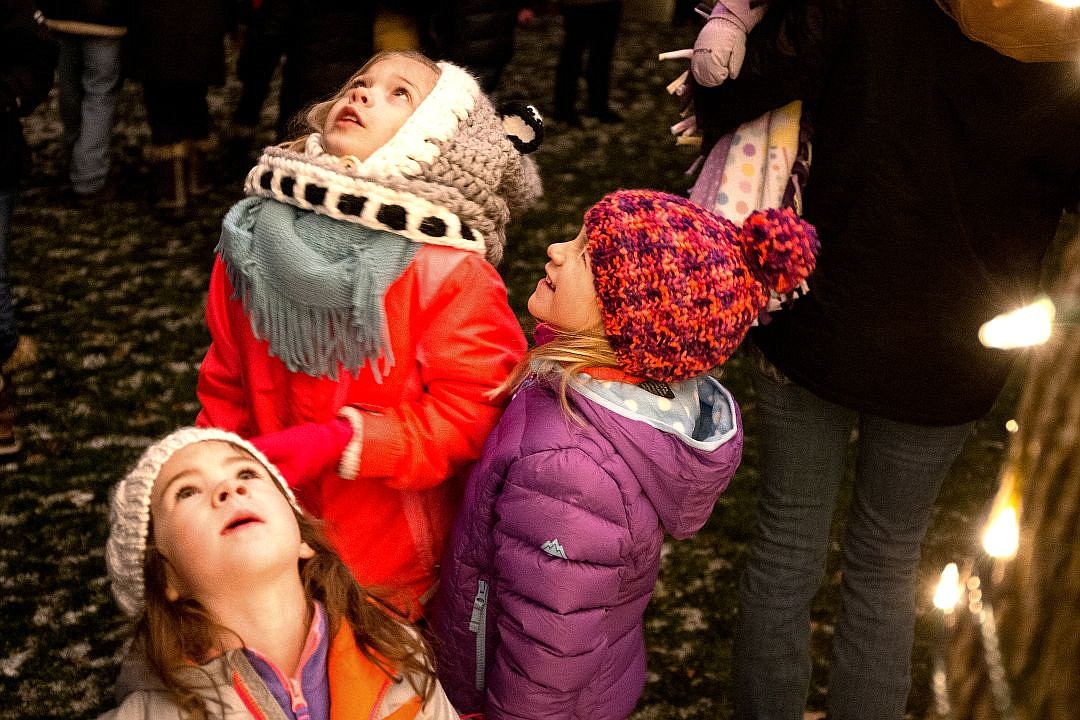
{"type": "Point", "coordinates": [679, 286]}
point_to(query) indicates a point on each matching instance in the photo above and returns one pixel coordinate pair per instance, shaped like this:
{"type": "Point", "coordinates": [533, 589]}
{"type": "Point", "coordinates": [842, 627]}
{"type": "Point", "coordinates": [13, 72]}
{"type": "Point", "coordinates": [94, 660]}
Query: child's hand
{"type": "Point", "coordinates": [719, 50]}
{"type": "Point", "coordinates": [303, 453]}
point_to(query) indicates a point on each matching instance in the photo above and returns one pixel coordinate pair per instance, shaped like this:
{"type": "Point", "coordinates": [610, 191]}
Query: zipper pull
{"type": "Point", "coordinates": [479, 605]}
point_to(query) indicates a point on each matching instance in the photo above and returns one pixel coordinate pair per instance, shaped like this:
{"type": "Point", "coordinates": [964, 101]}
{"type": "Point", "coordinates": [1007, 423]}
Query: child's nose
{"type": "Point", "coordinates": [230, 487]}
{"type": "Point", "coordinates": [360, 95]}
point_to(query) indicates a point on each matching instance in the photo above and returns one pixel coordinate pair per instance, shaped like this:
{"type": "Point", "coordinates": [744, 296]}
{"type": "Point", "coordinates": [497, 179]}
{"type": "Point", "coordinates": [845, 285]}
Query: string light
{"type": "Point", "coordinates": [1002, 534]}
{"type": "Point", "coordinates": [1024, 327]}
{"type": "Point", "coordinates": [949, 589]}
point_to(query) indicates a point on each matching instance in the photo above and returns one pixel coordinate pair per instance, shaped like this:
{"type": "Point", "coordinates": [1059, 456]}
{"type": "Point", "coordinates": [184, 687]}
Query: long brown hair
{"type": "Point", "coordinates": [314, 117]}
{"type": "Point", "coordinates": [1037, 602]}
{"type": "Point", "coordinates": [177, 633]}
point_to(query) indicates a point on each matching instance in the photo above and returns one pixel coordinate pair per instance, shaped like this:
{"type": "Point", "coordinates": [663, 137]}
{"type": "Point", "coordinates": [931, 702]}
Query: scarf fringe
{"type": "Point", "coordinates": [318, 340]}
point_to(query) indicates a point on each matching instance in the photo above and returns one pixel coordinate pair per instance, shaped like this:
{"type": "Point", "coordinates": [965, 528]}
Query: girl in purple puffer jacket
{"type": "Point", "coordinates": [615, 436]}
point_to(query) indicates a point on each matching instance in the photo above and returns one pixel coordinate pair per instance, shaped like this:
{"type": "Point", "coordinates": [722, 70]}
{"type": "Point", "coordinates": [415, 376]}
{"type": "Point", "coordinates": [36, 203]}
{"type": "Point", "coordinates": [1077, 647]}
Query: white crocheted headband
{"type": "Point", "coordinates": [129, 510]}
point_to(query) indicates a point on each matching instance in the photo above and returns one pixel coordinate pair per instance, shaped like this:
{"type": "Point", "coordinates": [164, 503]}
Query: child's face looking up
{"type": "Point", "coordinates": [221, 522]}
{"type": "Point", "coordinates": [566, 296]}
{"type": "Point", "coordinates": [375, 105]}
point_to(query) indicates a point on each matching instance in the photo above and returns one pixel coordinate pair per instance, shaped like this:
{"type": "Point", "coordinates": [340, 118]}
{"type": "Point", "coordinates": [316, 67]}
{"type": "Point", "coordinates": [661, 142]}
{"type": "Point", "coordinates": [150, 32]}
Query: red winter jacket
{"type": "Point", "coordinates": [454, 338]}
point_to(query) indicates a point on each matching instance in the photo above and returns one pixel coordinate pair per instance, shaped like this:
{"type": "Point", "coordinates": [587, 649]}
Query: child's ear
{"type": "Point", "coordinates": [523, 125]}
{"type": "Point", "coordinates": [306, 553]}
{"type": "Point", "coordinates": [172, 594]}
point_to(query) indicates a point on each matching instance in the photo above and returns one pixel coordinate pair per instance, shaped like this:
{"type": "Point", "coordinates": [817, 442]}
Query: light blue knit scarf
{"type": "Point", "coordinates": [313, 286]}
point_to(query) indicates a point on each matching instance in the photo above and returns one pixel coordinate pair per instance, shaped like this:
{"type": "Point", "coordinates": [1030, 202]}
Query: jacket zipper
{"type": "Point", "coordinates": [478, 625]}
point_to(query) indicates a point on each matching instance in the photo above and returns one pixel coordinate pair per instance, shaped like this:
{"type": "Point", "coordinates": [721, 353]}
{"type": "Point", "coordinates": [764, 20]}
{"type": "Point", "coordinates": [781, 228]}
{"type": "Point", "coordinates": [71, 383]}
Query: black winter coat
{"type": "Point", "coordinates": [27, 62]}
{"type": "Point", "coordinates": [940, 170]}
{"type": "Point", "coordinates": [477, 34]}
{"type": "Point", "coordinates": [178, 41]}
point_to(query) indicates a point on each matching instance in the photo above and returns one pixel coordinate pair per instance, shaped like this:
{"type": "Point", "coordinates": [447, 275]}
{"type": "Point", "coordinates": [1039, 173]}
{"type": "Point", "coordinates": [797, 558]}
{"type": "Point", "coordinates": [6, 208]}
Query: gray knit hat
{"type": "Point", "coordinates": [455, 152]}
{"type": "Point", "coordinates": [129, 510]}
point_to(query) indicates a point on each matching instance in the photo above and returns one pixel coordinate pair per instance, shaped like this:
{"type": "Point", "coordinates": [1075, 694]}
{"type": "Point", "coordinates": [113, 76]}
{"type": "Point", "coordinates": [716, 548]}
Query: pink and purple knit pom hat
{"type": "Point", "coordinates": [680, 286]}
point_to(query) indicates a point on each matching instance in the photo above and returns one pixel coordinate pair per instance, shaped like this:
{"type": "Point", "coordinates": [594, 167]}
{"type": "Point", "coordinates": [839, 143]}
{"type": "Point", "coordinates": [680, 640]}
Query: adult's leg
{"type": "Point", "coordinates": [99, 82]}
{"type": "Point", "coordinates": [605, 31]}
{"type": "Point", "coordinates": [576, 31]}
{"type": "Point", "coordinates": [259, 58]}
{"type": "Point", "coordinates": [803, 441]}
{"type": "Point", "coordinates": [899, 471]}
{"type": "Point", "coordinates": [69, 83]}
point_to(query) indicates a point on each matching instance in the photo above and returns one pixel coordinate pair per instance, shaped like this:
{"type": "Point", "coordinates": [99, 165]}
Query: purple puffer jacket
{"type": "Point", "coordinates": [557, 548]}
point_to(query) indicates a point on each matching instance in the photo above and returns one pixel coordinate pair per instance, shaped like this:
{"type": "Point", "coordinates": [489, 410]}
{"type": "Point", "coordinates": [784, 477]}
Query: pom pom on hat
{"type": "Point", "coordinates": [129, 510]}
{"type": "Point", "coordinates": [680, 286]}
{"type": "Point", "coordinates": [781, 249]}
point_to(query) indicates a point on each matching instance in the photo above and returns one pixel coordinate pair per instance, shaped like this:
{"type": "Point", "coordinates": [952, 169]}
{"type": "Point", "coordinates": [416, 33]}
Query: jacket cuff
{"type": "Point", "coordinates": [350, 457]}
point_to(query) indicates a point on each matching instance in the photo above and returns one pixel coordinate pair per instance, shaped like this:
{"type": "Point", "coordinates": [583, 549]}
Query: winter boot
{"type": "Point", "coordinates": [169, 166]}
{"type": "Point", "coordinates": [24, 356]}
{"type": "Point", "coordinates": [9, 444]}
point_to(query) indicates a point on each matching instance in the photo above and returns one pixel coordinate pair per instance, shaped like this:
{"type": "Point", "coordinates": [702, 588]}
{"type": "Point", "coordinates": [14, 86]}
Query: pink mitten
{"type": "Point", "coordinates": [303, 453]}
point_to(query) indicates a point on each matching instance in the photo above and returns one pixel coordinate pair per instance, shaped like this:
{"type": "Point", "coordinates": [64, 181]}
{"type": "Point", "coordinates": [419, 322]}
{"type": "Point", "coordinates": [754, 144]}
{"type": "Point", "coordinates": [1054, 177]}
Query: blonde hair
{"type": "Point", "coordinates": [314, 117]}
{"type": "Point", "coordinates": [177, 633]}
{"type": "Point", "coordinates": [560, 360]}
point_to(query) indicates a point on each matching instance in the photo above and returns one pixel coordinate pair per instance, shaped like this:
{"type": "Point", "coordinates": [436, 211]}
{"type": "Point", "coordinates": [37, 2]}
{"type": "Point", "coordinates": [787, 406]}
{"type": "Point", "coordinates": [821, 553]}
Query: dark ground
{"type": "Point", "coordinates": [114, 298]}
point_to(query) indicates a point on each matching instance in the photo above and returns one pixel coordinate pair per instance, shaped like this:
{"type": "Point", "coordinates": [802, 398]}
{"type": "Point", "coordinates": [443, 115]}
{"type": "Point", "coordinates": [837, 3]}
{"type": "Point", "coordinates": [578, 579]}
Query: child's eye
{"type": "Point", "coordinates": [402, 92]}
{"type": "Point", "coordinates": [185, 491]}
{"type": "Point", "coordinates": [248, 474]}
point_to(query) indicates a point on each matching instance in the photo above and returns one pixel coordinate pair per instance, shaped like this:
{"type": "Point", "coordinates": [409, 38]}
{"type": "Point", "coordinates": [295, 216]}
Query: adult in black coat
{"type": "Point", "coordinates": [27, 62]}
{"type": "Point", "coordinates": [177, 50]}
{"type": "Point", "coordinates": [476, 34]}
{"type": "Point", "coordinates": [940, 171]}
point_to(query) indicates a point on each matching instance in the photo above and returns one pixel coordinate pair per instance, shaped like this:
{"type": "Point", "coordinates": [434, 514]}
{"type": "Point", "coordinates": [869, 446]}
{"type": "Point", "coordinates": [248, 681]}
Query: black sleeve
{"type": "Point", "coordinates": [787, 58]}
{"type": "Point", "coordinates": [27, 58]}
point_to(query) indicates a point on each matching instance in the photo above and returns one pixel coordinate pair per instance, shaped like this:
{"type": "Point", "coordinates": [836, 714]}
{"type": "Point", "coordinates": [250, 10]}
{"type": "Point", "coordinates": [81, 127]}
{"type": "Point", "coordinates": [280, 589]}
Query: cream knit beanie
{"type": "Point", "coordinates": [129, 510]}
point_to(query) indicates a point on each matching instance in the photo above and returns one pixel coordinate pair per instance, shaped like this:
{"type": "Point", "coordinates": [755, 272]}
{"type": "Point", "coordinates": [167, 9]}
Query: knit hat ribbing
{"type": "Point", "coordinates": [486, 175]}
{"type": "Point", "coordinates": [129, 509]}
{"type": "Point", "coordinates": [679, 286]}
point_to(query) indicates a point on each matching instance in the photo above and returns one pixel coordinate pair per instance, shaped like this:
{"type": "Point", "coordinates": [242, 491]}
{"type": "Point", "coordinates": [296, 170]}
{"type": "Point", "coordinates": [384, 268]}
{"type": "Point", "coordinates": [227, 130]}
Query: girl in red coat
{"type": "Point", "coordinates": [358, 324]}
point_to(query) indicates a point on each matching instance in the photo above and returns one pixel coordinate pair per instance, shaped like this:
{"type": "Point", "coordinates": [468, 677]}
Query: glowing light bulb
{"type": "Point", "coordinates": [1011, 425]}
{"type": "Point", "coordinates": [948, 589]}
{"type": "Point", "coordinates": [1002, 533]}
{"type": "Point", "coordinates": [1026, 326]}
{"type": "Point", "coordinates": [1063, 3]}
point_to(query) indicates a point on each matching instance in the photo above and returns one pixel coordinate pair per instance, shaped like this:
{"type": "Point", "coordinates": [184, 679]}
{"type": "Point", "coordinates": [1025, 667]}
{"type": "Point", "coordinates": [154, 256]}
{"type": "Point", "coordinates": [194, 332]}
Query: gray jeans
{"type": "Point", "coordinates": [89, 70]}
{"type": "Point", "coordinates": [898, 471]}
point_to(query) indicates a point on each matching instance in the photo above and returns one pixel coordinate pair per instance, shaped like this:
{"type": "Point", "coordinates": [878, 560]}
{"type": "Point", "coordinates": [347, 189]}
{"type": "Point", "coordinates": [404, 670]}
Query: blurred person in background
{"type": "Point", "coordinates": [478, 34]}
{"type": "Point", "coordinates": [590, 26]}
{"type": "Point", "coordinates": [178, 52]}
{"type": "Point", "coordinates": [27, 62]}
{"type": "Point", "coordinates": [90, 34]}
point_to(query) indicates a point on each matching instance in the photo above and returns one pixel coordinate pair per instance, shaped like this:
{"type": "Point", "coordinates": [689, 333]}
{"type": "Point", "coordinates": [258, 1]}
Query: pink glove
{"type": "Point", "coordinates": [304, 453]}
{"type": "Point", "coordinates": [719, 50]}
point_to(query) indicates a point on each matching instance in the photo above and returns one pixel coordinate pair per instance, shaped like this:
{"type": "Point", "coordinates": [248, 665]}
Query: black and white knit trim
{"type": "Point", "coordinates": [296, 180]}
